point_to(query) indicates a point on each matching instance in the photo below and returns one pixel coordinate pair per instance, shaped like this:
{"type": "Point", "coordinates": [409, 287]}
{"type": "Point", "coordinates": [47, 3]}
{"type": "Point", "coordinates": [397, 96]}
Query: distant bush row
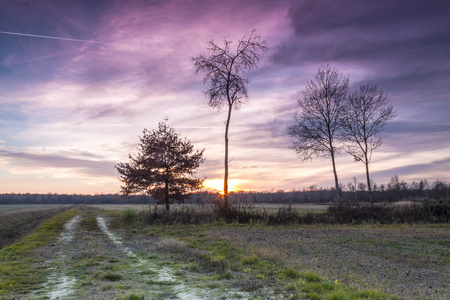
{"type": "Point", "coordinates": [427, 211]}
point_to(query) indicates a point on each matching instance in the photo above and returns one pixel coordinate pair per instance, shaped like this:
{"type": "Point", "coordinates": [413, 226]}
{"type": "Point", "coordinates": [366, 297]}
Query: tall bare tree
{"type": "Point", "coordinates": [224, 70]}
{"type": "Point", "coordinates": [366, 113]}
{"type": "Point", "coordinates": [164, 168]}
{"type": "Point", "coordinates": [317, 128]}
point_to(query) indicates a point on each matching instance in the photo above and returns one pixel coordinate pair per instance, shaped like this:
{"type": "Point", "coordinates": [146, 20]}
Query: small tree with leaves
{"type": "Point", "coordinates": [164, 168]}
{"type": "Point", "coordinates": [224, 71]}
{"type": "Point", "coordinates": [366, 112]}
{"type": "Point", "coordinates": [317, 127]}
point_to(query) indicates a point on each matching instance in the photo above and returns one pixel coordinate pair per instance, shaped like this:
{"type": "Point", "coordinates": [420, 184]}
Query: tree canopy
{"type": "Point", "coordinates": [317, 128]}
{"type": "Point", "coordinates": [165, 167]}
{"type": "Point", "coordinates": [366, 112]}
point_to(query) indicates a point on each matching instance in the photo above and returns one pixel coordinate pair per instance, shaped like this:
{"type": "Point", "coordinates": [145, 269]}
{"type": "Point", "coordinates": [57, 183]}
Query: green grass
{"type": "Point", "coordinates": [18, 266]}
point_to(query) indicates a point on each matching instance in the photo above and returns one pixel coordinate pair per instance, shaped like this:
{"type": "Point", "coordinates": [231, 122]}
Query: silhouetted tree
{"type": "Point", "coordinates": [317, 127]}
{"type": "Point", "coordinates": [366, 112]}
{"type": "Point", "coordinates": [164, 168]}
{"type": "Point", "coordinates": [224, 71]}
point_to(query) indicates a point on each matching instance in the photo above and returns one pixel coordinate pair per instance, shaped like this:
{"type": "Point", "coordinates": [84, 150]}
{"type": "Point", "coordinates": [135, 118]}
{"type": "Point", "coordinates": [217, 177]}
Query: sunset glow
{"type": "Point", "coordinates": [80, 80]}
{"type": "Point", "coordinates": [217, 184]}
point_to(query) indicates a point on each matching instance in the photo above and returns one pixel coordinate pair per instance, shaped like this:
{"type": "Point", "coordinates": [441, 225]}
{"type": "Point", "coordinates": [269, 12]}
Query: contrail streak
{"type": "Point", "coordinates": [49, 37]}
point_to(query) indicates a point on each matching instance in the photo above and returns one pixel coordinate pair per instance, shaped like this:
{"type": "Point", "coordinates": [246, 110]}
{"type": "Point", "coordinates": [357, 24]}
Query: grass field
{"type": "Point", "coordinates": [92, 253]}
{"type": "Point", "coordinates": [12, 207]}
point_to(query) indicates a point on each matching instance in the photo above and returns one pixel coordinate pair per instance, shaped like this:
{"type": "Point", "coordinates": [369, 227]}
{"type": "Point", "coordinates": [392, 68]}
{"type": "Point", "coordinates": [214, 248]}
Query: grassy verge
{"type": "Point", "coordinates": [16, 224]}
{"type": "Point", "coordinates": [19, 267]}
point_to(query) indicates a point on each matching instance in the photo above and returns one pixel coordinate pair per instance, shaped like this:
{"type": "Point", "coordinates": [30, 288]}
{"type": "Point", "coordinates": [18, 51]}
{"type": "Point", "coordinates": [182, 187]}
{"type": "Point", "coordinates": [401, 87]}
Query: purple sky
{"type": "Point", "coordinates": [72, 106]}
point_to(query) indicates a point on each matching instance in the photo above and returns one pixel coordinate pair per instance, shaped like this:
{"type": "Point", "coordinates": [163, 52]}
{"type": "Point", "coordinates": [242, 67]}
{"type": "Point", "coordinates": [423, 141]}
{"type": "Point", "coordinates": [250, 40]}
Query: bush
{"type": "Point", "coordinates": [129, 216]}
{"type": "Point", "coordinates": [413, 212]}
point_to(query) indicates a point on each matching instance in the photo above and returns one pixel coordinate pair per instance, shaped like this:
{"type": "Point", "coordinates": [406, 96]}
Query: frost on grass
{"type": "Point", "coordinates": [163, 274]}
{"type": "Point", "coordinates": [59, 284]}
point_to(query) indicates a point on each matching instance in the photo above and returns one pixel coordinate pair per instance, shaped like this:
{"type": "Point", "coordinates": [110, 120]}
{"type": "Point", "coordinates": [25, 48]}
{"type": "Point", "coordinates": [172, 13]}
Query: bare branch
{"type": "Point", "coordinates": [317, 128]}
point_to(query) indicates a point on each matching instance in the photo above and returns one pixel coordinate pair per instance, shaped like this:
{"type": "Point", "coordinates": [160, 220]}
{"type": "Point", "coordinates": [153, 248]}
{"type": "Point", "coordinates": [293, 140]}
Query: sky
{"type": "Point", "coordinates": [81, 79]}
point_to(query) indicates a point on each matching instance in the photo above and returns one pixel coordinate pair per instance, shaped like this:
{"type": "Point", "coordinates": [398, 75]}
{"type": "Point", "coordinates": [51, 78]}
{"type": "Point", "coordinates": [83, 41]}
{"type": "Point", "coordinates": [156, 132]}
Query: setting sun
{"type": "Point", "coordinates": [217, 184]}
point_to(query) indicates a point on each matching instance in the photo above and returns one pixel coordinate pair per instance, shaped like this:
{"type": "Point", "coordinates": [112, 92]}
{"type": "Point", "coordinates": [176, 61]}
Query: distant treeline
{"type": "Point", "coordinates": [395, 190]}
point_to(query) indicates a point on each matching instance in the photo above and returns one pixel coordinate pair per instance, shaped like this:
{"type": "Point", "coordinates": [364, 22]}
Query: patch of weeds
{"type": "Point", "coordinates": [178, 273]}
{"type": "Point", "coordinates": [107, 287]}
{"type": "Point", "coordinates": [250, 260]}
{"type": "Point", "coordinates": [227, 275]}
{"type": "Point", "coordinates": [162, 282]}
{"type": "Point", "coordinates": [313, 296]}
{"type": "Point", "coordinates": [290, 287]}
{"type": "Point", "coordinates": [318, 287]}
{"type": "Point", "coordinates": [110, 276]}
{"type": "Point", "coordinates": [194, 267]}
{"type": "Point", "coordinates": [214, 285]}
{"type": "Point", "coordinates": [148, 272]}
{"type": "Point", "coordinates": [129, 216]}
{"type": "Point", "coordinates": [290, 273]}
{"type": "Point", "coordinates": [310, 277]}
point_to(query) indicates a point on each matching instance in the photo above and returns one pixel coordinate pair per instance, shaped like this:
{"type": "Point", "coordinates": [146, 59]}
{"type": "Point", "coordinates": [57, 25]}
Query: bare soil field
{"type": "Point", "coordinates": [409, 261]}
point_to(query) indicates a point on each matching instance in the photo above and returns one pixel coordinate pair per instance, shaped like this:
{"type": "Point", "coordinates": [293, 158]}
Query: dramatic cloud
{"type": "Point", "coordinates": [81, 80]}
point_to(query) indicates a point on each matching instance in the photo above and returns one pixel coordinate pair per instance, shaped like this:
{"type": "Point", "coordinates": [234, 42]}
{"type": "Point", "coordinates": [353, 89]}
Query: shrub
{"type": "Point", "coordinates": [129, 215]}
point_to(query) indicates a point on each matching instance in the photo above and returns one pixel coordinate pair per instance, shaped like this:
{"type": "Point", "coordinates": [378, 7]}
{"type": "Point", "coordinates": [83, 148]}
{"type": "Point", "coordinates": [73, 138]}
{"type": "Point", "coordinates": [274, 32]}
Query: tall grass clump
{"type": "Point", "coordinates": [233, 213]}
{"type": "Point", "coordinates": [428, 211]}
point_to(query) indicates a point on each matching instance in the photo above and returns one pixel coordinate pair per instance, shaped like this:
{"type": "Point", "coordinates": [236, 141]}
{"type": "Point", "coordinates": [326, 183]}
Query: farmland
{"type": "Point", "coordinates": [12, 207]}
{"type": "Point", "coordinates": [92, 253]}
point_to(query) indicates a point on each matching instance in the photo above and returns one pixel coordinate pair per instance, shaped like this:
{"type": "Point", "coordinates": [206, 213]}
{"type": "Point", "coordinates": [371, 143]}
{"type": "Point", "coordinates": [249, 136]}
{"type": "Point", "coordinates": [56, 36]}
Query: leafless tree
{"type": "Point", "coordinates": [164, 168]}
{"type": "Point", "coordinates": [317, 127]}
{"type": "Point", "coordinates": [366, 113]}
{"type": "Point", "coordinates": [224, 70]}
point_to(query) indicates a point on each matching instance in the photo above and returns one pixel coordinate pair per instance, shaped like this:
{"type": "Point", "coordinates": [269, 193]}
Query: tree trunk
{"type": "Point", "coordinates": [368, 179]}
{"type": "Point", "coordinates": [225, 180]}
{"type": "Point", "coordinates": [336, 181]}
{"type": "Point", "coordinates": [166, 195]}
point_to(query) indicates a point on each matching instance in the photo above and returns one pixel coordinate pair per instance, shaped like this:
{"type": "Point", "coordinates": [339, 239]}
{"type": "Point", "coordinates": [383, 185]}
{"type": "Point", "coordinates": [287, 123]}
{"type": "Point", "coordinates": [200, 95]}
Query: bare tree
{"type": "Point", "coordinates": [164, 168]}
{"type": "Point", "coordinates": [224, 71]}
{"type": "Point", "coordinates": [366, 113]}
{"type": "Point", "coordinates": [317, 127]}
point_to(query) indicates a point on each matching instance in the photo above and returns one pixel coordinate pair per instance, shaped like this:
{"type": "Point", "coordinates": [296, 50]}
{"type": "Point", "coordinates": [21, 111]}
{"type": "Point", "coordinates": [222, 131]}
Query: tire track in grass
{"type": "Point", "coordinates": [164, 274]}
{"type": "Point", "coordinates": [59, 283]}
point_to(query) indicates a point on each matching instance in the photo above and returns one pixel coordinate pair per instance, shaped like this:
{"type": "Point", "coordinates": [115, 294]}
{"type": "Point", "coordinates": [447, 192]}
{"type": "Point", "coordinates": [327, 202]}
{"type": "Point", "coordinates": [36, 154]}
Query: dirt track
{"type": "Point", "coordinates": [89, 261]}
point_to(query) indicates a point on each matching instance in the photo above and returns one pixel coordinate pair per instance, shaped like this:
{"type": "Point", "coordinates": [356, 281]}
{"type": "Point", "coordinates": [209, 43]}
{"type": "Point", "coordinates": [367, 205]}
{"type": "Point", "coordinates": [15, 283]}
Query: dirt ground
{"type": "Point", "coordinates": [410, 261]}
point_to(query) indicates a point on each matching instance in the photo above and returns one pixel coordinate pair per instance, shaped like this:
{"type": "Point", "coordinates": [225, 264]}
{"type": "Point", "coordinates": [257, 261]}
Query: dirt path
{"type": "Point", "coordinates": [89, 261]}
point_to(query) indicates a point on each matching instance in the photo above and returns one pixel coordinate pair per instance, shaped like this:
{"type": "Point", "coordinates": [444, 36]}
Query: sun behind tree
{"type": "Point", "coordinates": [164, 168]}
